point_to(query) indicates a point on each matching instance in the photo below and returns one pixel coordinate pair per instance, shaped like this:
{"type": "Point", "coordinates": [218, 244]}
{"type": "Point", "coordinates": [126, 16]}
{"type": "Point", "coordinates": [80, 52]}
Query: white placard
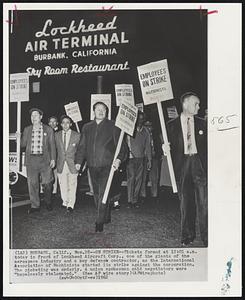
{"type": "Point", "coordinates": [73, 111]}
{"type": "Point", "coordinates": [105, 98]}
{"type": "Point", "coordinates": [155, 82]}
{"type": "Point", "coordinates": [126, 117]}
{"type": "Point", "coordinates": [19, 87]}
{"type": "Point", "coordinates": [124, 91]}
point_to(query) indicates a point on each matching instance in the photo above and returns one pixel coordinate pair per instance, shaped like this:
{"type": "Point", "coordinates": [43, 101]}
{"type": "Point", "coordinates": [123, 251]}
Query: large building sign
{"type": "Point", "coordinates": [75, 41]}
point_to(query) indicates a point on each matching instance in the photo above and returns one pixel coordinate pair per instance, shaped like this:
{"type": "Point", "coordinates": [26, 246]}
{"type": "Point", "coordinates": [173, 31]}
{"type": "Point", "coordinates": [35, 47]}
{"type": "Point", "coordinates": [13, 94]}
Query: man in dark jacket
{"type": "Point", "coordinates": [40, 155]}
{"type": "Point", "coordinates": [188, 143]}
{"type": "Point", "coordinates": [97, 146]}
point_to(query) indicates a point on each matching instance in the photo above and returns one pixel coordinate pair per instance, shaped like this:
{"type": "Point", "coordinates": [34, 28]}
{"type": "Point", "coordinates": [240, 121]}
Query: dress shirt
{"type": "Point", "coordinates": [37, 140]}
{"type": "Point", "coordinates": [183, 119]}
{"type": "Point", "coordinates": [68, 135]}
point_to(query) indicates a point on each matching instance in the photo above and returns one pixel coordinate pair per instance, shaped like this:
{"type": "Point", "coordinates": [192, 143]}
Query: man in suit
{"type": "Point", "coordinates": [67, 141]}
{"type": "Point", "coordinates": [40, 156]}
{"type": "Point", "coordinates": [188, 143]}
{"type": "Point", "coordinates": [97, 146]}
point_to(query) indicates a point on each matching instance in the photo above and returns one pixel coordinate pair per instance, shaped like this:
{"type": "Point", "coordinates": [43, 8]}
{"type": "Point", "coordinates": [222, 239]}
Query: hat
{"type": "Point", "coordinates": [36, 109]}
{"type": "Point", "coordinates": [65, 117]}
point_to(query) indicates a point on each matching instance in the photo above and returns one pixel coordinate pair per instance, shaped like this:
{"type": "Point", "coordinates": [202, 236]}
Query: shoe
{"type": "Point", "coordinates": [129, 205]}
{"type": "Point", "coordinates": [191, 239]}
{"type": "Point", "coordinates": [69, 210]}
{"type": "Point", "coordinates": [185, 242]}
{"type": "Point", "coordinates": [99, 227]}
{"type": "Point", "coordinates": [33, 210]}
{"type": "Point", "coordinates": [64, 206]}
{"type": "Point", "coordinates": [136, 205]}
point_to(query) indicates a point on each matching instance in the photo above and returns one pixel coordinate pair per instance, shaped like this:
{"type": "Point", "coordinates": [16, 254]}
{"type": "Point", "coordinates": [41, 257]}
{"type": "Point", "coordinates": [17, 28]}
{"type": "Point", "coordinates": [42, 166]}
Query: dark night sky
{"type": "Point", "coordinates": [180, 36]}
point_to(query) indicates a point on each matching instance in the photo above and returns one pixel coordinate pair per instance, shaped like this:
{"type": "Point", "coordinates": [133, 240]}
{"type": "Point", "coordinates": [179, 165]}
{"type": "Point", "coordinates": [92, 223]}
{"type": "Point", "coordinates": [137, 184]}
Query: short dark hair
{"type": "Point", "coordinates": [102, 103]}
{"type": "Point", "coordinates": [65, 117]}
{"type": "Point", "coordinates": [53, 117]}
{"type": "Point", "coordinates": [187, 95]}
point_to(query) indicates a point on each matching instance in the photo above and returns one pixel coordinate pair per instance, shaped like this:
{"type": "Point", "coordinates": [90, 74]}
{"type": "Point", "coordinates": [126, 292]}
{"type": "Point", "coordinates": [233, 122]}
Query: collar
{"type": "Point", "coordinates": [102, 122]}
{"type": "Point", "coordinates": [67, 132]}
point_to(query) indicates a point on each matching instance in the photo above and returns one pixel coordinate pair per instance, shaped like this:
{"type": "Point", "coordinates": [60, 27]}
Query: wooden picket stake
{"type": "Point", "coordinates": [109, 181]}
{"type": "Point", "coordinates": [18, 136]}
{"type": "Point", "coordinates": [78, 130]}
{"type": "Point", "coordinates": [165, 139]}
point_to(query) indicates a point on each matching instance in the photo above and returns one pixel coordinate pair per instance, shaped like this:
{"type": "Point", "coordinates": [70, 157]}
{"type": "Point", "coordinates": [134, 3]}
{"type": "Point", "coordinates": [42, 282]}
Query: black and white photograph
{"type": "Point", "coordinates": [109, 137]}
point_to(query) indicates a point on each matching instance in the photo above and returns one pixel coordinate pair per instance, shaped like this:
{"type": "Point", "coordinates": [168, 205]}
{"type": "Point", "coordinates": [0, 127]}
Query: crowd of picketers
{"type": "Point", "coordinates": [55, 155]}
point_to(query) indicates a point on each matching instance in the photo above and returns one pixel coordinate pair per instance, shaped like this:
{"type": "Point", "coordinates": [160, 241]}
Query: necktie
{"type": "Point", "coordinates": [64, 140]}
{"type": "Point", "coordinates": [189, 145]}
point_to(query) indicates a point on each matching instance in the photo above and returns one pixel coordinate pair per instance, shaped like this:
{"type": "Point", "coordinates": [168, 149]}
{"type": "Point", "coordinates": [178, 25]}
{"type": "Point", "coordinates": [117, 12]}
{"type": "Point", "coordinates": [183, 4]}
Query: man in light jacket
{"type": "Point", "coordinates": [67, 141]}
{"type": "Point", "coordinates": [40, 156]}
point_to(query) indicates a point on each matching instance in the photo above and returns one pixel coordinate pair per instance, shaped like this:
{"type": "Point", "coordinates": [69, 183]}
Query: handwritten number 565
{"type": "Point", "coordinates": [222, 119]}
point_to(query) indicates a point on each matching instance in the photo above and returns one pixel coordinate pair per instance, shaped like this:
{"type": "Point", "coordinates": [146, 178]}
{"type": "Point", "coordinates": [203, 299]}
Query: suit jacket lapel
{"type": "Point", "coordinates": [181, 138]}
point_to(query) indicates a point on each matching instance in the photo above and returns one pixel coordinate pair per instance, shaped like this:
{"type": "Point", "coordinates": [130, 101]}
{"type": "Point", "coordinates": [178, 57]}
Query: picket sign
{"type": "Point", "coordinates": [19, 92]}
{"type": "Point", "coordinates": [19, 134]}
{"type": "Point", "coordinates": [156, 87]}
{"type": "Point", "coordinates": [73, 111]}
{"type": "Point", "coordinates": [126, 120]}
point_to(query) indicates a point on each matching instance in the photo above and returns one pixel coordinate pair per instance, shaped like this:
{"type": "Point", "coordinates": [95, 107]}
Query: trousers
{"type": "Point", "coordinates": [68, 186]}
{"type": "Point", "coordinates": [153, 178]}
{"type": "Point", "coordinates": [55, 184]}
{"type": "Point", "coordinates": [144, 179]}
{"type": "Point", "coordinates": [134, 178]}
{"type": "Point", "coordinates": [192, 192]}
{"type": "Point", "coordinates": [38, 171]}
{"type": "Point", "coordinates": [99, 177]}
